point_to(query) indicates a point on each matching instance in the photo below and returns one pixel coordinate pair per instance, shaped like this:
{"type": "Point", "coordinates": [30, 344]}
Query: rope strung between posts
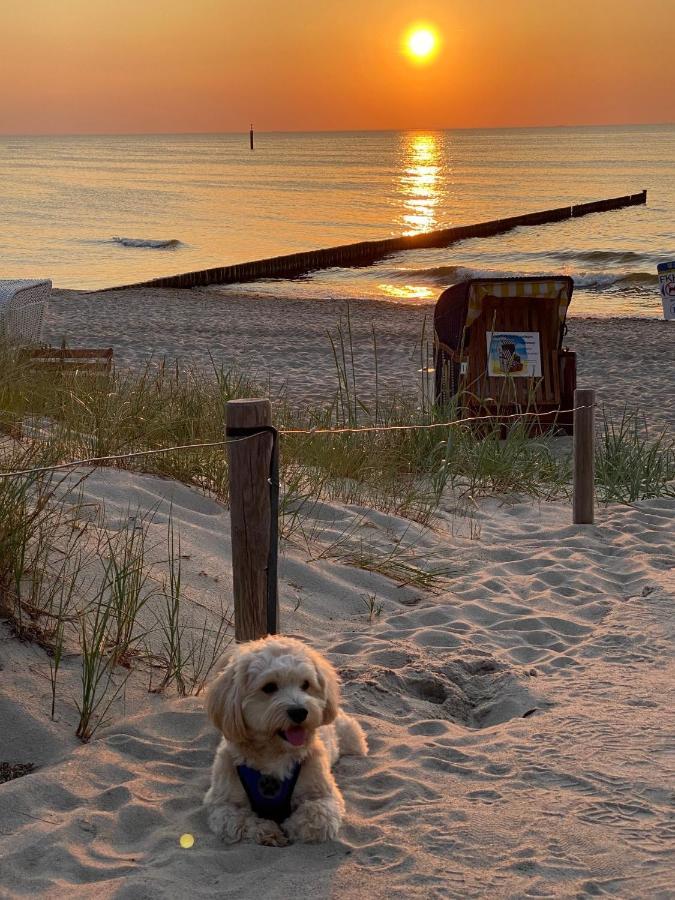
{"type": "Point", "coordinates": [367, 428]}
{"type": "Point", "coordinates": [282, 432]}
{"type": "Point", "coordinates": [95, 460]}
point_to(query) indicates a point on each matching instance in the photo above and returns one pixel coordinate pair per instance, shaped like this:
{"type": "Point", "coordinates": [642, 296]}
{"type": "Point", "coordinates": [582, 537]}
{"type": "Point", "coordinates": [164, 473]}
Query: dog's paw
{"type": "Point", "coordinates": [226, 823]}
{"type": "Point", "coordinates": [314, 822]}
{"type": "Point", "coordinates": [270, 835]}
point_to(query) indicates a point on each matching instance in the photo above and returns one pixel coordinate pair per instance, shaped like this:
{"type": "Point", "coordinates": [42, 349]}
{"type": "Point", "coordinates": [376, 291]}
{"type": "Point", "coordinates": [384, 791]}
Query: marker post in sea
{"type": "Point", "coordinates": [666, 272]}
{"type": "Point", "coordinates": [250, 136]}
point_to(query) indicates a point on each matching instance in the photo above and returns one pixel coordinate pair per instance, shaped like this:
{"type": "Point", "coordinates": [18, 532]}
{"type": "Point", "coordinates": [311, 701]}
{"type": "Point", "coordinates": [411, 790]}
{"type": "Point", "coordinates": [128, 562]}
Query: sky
{"type": "Point", "coordinates": [135, 66]}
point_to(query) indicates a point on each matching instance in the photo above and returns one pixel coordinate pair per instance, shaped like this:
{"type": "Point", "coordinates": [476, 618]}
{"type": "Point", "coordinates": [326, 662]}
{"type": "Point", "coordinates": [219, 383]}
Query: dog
{"type": "Point", "coordinates": [277, 705]}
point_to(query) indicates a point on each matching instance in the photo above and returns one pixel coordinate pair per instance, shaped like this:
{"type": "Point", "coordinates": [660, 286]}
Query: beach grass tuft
{"type": "Point", "coordinates": [78, 586]}
{"type": "Point", "coordinates": [633, 461]}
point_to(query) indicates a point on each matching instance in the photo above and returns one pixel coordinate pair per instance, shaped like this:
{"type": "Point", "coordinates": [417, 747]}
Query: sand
{"type": "Point", "coordinates": [630, 362]}
{"type": "Point", "coordinates": [520, 714]}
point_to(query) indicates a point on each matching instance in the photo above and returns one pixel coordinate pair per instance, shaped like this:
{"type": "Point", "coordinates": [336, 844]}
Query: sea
{"type": "Point", "coordinates": [100, 211]}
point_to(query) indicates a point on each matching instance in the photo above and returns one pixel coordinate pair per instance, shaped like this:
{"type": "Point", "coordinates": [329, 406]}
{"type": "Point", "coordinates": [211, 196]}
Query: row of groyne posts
{"type": "Point", "coordinates": [365, 253]}
{"type": "Point", "coordinates": [254, 504]}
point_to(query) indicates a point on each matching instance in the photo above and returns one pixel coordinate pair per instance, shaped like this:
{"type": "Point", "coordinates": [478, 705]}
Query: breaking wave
{"type": "Point", "coordinates": [599, 280]}
{"type": "Point", "coordinates": [600, 256]}
{"type": "Point", "coordinates": [444, 275]}
{"type": "Point", "coordinates": [145, 242]}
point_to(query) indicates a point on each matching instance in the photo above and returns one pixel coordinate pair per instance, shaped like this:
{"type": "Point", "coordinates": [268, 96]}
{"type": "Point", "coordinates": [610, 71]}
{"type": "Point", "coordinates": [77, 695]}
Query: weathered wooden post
{"type": "Point", "coordinates": [584, 452]}
{"type": "Point", "coordinates": [253, 516]}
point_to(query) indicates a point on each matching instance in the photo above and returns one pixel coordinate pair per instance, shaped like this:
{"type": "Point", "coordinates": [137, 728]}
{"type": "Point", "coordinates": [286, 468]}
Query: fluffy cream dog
{"type": "Point", "coordinates": [277, 705]}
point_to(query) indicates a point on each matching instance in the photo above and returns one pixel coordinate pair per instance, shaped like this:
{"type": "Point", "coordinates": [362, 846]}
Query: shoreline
{"type": "Point", "coordinates": [252, 296]}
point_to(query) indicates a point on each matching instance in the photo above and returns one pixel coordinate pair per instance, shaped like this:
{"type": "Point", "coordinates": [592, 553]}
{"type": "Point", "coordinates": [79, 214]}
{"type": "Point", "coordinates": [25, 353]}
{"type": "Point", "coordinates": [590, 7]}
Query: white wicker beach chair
{"type": "Point", "coordinates": [22, 309]}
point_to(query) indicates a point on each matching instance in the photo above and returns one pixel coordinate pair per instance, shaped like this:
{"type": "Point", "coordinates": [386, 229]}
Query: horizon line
{"type": "Point", "coordinates": [558, 127]}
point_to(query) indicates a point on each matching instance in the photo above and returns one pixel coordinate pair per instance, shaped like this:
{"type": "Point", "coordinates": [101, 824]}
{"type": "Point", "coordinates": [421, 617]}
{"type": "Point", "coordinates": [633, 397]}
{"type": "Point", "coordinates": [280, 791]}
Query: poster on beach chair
{"type": "Point", "coordinates": [513, 353]}
{"type": "Point", "coordinates": [666, 272]}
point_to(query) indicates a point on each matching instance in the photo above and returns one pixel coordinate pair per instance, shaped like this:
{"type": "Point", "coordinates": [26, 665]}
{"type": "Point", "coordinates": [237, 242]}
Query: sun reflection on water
{"type": "Point", "coordinates": [419, 182]}
{"type": "Point", "coordinates": [407, 291]}
{"type": "Point", "coordinates": [420, 190]}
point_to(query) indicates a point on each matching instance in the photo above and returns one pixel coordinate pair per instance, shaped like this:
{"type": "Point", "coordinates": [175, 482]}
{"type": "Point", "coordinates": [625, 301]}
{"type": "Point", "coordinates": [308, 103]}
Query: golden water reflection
{"type": "Point", "coordinates": [407, 291]}
{"type": "Point", "coordinates": [419, 188]}
{"type": "Point", "coordinates": [420, 182]}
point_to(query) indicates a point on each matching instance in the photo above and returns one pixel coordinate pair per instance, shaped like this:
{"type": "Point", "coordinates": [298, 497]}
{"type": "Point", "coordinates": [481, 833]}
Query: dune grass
{"type": "Point", "coordinates": [633, 461]}
{"type": "Point", "coordinates": [80, 588]}
{"type": "Point", "coordinates": [400, 471]}
{"type": "Point", "coordinates": [405, 472]}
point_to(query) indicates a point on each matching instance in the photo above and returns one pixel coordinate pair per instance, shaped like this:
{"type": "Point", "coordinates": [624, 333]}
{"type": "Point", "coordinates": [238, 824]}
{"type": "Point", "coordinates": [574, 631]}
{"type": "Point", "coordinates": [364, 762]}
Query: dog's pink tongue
{"type": "Point", "coordinates": [295, 735]}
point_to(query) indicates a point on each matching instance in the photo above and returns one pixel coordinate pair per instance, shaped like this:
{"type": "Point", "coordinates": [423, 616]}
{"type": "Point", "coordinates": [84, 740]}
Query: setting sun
{"type": "Point", "coordinates": [421, 43]}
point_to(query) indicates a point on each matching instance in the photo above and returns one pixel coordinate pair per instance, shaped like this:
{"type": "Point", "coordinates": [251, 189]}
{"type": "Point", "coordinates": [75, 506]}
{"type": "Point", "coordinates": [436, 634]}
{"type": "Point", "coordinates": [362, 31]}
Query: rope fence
{"type": "Point", "coordinates": [253, 447]}
{"type": "Point", "coordinates": [281, 432]}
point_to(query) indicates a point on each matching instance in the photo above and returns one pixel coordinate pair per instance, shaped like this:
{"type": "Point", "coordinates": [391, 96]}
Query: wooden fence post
{"type": "Point", "coordinates": [251, 518]}
{"type": "Point", "coordinates": [584, 452]}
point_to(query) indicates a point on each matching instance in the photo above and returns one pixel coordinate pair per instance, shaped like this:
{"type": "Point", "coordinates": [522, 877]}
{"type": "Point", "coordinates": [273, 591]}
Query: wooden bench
{"type": "Point", "coordinates": [67, 359]}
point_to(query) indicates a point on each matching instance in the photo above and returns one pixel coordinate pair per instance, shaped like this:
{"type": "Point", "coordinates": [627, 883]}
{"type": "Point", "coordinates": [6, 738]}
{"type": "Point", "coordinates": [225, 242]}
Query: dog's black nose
{"type": "Point", "coordinates": [297, 714]}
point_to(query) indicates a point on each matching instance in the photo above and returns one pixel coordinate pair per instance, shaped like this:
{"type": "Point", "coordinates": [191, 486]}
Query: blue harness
{"type": "Point", "coordinates": [270, 798]}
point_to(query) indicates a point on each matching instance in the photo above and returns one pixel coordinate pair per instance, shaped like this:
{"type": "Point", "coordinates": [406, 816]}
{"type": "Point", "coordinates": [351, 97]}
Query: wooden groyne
{"type": "Point", "coordinates": [365, 253]}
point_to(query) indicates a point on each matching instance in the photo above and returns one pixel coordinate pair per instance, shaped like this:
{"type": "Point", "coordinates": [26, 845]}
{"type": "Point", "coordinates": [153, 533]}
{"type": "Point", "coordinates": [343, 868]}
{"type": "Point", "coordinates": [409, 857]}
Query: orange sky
{"type": "Point", "coordinates": [88, 66]}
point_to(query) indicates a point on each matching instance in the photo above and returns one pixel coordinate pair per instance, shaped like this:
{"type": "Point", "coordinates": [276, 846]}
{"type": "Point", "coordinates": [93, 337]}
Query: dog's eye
{"type": "Point", "coordinates": [304, 686]}
{"type": "Point", "coordinates": [270, 687]}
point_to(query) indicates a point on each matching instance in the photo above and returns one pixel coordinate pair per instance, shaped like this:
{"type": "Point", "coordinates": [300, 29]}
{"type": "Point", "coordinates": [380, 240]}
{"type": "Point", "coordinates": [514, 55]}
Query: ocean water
{"type": "Point", "coordinates": [99, 211]}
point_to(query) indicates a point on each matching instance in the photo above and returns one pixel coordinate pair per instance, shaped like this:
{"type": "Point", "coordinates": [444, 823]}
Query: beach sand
{"type": "Point", "coordinates": [630, 362]}
{"type": "Point", "coordinates": [520, 714]}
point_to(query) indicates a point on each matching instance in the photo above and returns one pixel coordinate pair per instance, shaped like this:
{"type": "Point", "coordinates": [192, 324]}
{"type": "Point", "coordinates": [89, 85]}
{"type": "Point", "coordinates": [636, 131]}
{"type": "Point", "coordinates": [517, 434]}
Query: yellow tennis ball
{"type": "Point", "coordinates": [186, 841]}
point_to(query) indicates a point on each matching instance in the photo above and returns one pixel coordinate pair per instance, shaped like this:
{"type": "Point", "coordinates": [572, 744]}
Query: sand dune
{"type": "Point", "coordinates": [519, 718]}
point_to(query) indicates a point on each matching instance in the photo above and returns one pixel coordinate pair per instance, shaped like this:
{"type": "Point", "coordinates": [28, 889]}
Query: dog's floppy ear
{"type": "Point", "coordinates": [223, 700]}
{"type": "Point", "coordinates": [330, 686]}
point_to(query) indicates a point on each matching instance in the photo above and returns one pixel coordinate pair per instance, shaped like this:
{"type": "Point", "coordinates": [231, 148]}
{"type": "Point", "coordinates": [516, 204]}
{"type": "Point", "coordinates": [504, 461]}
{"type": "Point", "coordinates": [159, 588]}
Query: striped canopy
{"type": "Point", "coordinates": [556, 288]}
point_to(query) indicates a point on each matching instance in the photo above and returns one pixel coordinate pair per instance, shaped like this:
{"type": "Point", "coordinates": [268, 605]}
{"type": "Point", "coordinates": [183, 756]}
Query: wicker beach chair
{"type": "Point", "coordinates": [498, 348]}
{"type": "Point", "coordinates": [22, 309]}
